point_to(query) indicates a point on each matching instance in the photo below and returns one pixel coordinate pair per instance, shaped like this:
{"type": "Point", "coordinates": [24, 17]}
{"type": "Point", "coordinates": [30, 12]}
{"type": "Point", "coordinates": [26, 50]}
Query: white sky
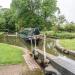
{"type": "Point", "coordinates": [67, 7]}
{"type": "Point", "coordinates": [5, 3]}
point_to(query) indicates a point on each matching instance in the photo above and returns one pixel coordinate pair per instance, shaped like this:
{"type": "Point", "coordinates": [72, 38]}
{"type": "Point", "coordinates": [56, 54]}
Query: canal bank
{"type": "Point", "coordinates": [64, 50]}
{"type": "Point", "coordinates": [55, 60]}
{"type": "Point", "coordinates": [51, 48]}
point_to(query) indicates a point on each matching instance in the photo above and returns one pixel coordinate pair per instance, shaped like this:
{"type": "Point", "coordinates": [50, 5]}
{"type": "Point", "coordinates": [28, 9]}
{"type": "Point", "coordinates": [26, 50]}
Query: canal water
{"type": "Point", "coordinates": [50, 49]}
{"type": "Point", "coordinates": [13, 40]}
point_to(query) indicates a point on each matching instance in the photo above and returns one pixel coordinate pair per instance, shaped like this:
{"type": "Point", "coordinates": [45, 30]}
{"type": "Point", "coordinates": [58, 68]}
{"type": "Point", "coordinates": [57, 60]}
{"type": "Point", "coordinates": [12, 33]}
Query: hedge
{"type": "Point", "coordinates": [61, 35]}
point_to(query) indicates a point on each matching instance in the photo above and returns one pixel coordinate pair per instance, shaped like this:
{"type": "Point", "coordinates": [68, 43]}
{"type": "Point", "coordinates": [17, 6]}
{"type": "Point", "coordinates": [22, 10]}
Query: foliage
{"type": "Point", "coordinates": [2, 20]}
{"type": "Point", "coordinates": [60, 34]}
{"type": "Point", "coordinates": [33, 13]}
{"type": "Point", "coordinates": [58, 21]}
{"type": "Point", "coordinates": [70, 27]}
{"type": "Point", "coordinates": [28, 13]}
{"type": "Point", "coordinates": [7, 20]}
{"type": "Point", "coordinates": [2, 23]}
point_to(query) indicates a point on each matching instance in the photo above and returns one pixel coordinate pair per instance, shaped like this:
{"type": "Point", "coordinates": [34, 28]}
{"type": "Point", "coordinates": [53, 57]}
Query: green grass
{"type": "Point", "coordinates": [68, 43]}
{"type": "Point", "coordinates": [1, 33]}
{"type": "Point", "coordinates": [10, 54]}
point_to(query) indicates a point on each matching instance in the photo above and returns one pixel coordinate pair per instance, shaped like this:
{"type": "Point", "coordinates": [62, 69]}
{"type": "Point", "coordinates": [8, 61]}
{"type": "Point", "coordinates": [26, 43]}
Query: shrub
{"type": "Point", "coordinates": [70, 27]}
{"type": "Point", "coordinates": [60, 34]}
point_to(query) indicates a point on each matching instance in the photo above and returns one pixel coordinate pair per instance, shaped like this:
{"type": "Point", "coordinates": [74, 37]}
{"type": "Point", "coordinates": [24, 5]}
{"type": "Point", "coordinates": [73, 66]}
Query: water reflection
{"type": "Point", "coordinates": [51, 49]}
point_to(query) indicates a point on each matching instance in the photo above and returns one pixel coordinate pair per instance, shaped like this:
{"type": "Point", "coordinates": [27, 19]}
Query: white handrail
{"type": "Point", "coordinates": [44, 47]}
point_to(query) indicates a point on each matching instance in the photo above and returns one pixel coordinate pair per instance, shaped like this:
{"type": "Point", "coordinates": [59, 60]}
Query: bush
{"type": "Point", "coordinates": [70, 27]}
{"type": "Point", "coordinates": [61, 35]}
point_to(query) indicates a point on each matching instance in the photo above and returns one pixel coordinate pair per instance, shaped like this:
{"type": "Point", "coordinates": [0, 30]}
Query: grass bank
{"type": "Point", "coordinates": [68, 43]}
{"type": "Point", "coordinates": [10, 54]}
{"type": "Point", "coordinates": [1, 33]}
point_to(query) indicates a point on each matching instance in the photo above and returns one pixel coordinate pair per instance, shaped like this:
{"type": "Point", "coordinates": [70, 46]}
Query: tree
{"type": "Point", "coordinates": [2, 19]}
{"type": "Point", "coordinates": [33, 13]}
{"type": "Point", "coordinates": [58, 21]}
{"type": "Point", "coordinates": [7, 20]}
{"type": "Point", "coordinates": [70, 27]}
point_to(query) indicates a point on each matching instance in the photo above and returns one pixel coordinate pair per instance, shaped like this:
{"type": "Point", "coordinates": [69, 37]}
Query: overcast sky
{"type": "Point", "coordinates": [67, 7]}
{"type": "Point", "coordinates": [5, 3]}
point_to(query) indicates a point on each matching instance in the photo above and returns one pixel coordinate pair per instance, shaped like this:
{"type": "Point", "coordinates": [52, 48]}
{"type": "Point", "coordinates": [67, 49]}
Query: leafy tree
{"type": "Point", "coordinates": [2, 19]}
{"type": "Point", "coordinates": [7, 20]}
{"type": "Point", "coordinates": [58, 21]}
{"type": "Point", "coordinates": [70, 27]}
{"type": "Point", "coordinates": [33, 13]}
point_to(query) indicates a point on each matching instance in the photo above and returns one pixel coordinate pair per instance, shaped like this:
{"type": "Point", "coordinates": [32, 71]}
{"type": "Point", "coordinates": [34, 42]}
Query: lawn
{"type": "Point", "coordinates": [1, 33]}
{"type": "Point", "coordinates": [10, 54]}
{"type": "Point", "coordinates": [68, 43]}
